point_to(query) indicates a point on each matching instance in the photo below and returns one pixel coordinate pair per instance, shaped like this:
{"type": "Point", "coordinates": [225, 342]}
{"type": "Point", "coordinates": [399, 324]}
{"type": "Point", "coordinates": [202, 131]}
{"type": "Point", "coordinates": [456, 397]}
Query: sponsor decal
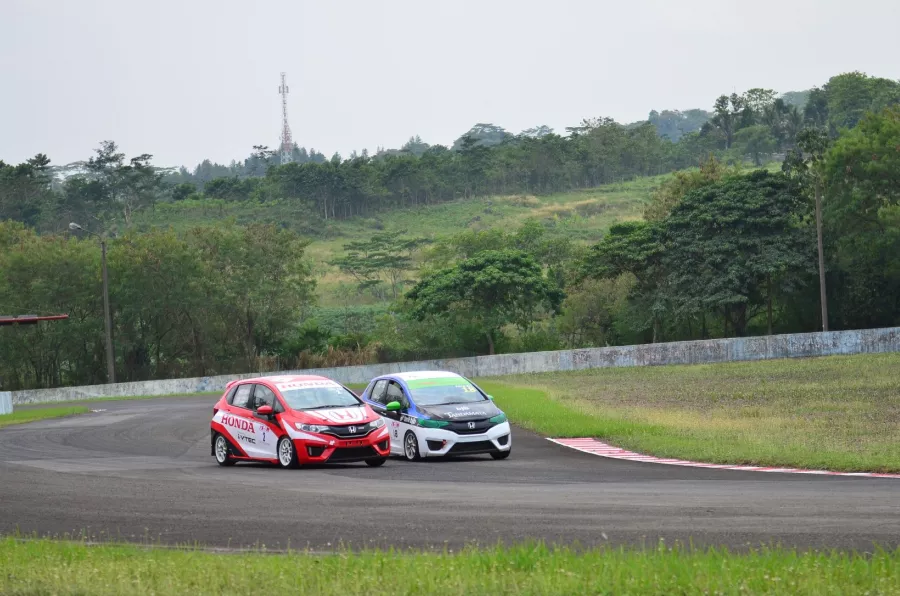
{"type": "Point", "coordinates": [344, 415]}
{"type": "Point", "coordinates": [462, 414]}
{"type": "Point", "coordinates": [462, 407]}
{"type": "Point", "coordinates": [408, 419]}
{"type": "Point", "coordinates": [238, 423]}
{"type": "Point", "coordinates": [246, 439]}
{"type": "Point", "coordinates": [305, 384]}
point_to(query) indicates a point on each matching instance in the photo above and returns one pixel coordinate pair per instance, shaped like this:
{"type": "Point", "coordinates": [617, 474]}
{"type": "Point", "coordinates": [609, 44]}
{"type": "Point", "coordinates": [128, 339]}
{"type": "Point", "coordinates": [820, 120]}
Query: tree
{"type": "Point", "coordinates": [861, 173]}
{"type": "Point", "coordinates": [634, 248]}
{"type": "Point", "coordinates": [755, 141]}
{"type": "Point", "coordinates": [805, 164]}
{"type": "Point", "coordinates": [115, 188]}
{"type": "Point", "coordinates": [670, 192]}
{"type": "Point", "coordinates": [385, 257]}
{"type": "Point", "coordinates": [851, 95]}
{"type": "Point", "coordinates": [728, 116]}
{"type": "Point", "coordinates": [492, 289]}
{"type": "Point", "coordinates": [729, 246]}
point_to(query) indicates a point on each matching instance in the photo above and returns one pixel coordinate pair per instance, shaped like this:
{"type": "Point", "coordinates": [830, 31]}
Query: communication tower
{"type": "Point", "coordinates": [287, 143]}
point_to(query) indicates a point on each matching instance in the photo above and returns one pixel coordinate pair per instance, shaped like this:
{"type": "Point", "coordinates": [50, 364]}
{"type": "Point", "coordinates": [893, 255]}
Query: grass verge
{"type": "Point", "coordinates": [22, 416]}
{"type": "Point", "coordinates": [47, 567]}
{"type": "Point", "coordinates": [837, 413]}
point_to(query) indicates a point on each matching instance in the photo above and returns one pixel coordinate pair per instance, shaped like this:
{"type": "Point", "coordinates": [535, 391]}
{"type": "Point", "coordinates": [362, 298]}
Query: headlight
{"type": "Point", "coordinates": [377, 423]}
{"type": "Point", "coordinates": [426, 423]}
{"type": "Point", "coordinates": [311, 428]}
{"type": "Point", "coordinates": [501, 417]}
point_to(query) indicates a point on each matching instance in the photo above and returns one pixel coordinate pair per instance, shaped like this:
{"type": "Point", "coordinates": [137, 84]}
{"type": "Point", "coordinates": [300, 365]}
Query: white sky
{"type": "Point", "coordinates": [192, 79]}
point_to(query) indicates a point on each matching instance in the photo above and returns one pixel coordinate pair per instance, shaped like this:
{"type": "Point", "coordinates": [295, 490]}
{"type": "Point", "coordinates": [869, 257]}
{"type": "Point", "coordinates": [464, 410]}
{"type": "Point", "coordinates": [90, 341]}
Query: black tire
{"type": "Point", "coordinates": [286, 453]}
{"type": "Point", "coordinates": [411, 447]}
{"type": "Point", "coordinates": [222, 451]}
{"type": "Point", "coordinates": [501, 454]}
{"type": "Point", "coordinates": [376, 461]}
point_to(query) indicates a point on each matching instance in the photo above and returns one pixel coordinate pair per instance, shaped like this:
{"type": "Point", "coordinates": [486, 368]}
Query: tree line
{"type": "Point", "coordinates": [487, 160]}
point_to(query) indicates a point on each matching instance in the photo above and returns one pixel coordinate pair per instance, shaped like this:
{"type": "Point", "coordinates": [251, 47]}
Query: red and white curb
{"type": "Point", "coordinates": [595, 447]}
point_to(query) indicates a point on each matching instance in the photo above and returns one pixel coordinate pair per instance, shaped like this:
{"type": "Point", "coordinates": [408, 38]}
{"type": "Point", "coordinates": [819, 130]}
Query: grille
{"type": "Point", "coordinates": [462, 427]}
{"type": "Point", "coordinates": [343, 432]}
{"type": "Point", "coordinates": [352, 454]}
{"type": "Point", "coordinates": [473, 447]}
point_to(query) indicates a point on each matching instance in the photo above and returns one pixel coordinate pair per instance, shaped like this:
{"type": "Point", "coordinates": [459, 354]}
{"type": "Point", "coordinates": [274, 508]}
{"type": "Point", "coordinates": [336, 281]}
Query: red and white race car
{"type": "Point", "coordinates": [293, 420]}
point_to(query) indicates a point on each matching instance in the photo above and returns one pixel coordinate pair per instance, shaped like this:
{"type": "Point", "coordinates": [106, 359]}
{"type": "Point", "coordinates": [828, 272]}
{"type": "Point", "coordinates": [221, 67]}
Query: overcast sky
{"type": "Point", "coordinates": [191, 79]}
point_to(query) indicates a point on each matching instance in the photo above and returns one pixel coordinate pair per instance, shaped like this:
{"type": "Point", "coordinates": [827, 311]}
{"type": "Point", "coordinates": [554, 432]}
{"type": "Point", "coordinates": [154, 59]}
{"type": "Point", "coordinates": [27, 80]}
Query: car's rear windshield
{"type": "Point", "coordinates": [443, 390]}
{"type": "Point", "coordinates": [313, 398]}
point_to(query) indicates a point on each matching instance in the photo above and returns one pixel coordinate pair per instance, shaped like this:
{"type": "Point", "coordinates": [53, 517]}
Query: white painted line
{"type": "Point", "coordinates": [595, 447]}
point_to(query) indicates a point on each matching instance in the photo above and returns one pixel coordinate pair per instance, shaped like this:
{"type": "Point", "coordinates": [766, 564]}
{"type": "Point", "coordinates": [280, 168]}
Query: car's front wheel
{"type": "Point", "coordinates": [501, 454]}
{"type": "Point", "coordinates": [287, 455]}
{"type": "Point", "coordinates": [411, 447]}
{"type": "Point", "coordinates": [222, 451]}
{"type": "Point", "coordinates": [376, 461]}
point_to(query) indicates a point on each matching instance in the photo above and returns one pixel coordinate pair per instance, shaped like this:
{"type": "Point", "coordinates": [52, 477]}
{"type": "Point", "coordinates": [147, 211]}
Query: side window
{"type": "Point", "coordinates": [377, 394]}
{"type": "Point", "coordinates": [230, 398]}
{"type": "Point", "coordinates": [242, 396]}
{"type": "Point", "coordinates": [395, 393]}
{"type": "Point", "coordinates": [263, 396]}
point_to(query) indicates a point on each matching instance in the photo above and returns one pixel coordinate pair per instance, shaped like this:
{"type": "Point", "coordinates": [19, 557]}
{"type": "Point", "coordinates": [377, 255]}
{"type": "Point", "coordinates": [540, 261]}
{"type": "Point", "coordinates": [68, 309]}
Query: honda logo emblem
{"type": "Point", "coordinates": [352, 430]}
{"type": "Point", "coordinates": [471, 425]}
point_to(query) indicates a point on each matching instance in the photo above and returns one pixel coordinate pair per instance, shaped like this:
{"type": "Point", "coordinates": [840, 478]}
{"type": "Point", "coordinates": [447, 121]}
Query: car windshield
{"type": "Point", "coordinates": [314, 398]}
{"type": "Point", "coordinates": [443, 390]}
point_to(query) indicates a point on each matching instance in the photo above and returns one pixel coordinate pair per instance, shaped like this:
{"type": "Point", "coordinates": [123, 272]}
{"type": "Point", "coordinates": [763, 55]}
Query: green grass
{"type": "Point", "coordinates": [47, 567]}
{"type": "Point", "coordinates": [30, 415]}
{"type": "Point", "coordinates": [835, 413]}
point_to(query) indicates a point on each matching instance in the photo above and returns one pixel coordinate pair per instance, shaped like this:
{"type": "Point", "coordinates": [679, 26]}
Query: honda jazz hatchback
{"type": "Point", "coordinates": [293, 420]}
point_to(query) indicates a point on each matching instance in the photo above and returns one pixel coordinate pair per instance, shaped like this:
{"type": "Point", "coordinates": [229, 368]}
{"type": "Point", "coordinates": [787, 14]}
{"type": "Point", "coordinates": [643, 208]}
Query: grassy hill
{"type": "Point", "coordinates": [581, 215]}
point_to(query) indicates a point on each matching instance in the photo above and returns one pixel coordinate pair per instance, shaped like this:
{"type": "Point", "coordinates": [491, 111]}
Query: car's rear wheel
{"type": "Point", "coordinates": [222, 451]}
{"type": "Point", "coordinates": [411, 447]}
{"type": "Point", "coordinates": [376, 461]}
{"type": "Point", "coordinates": [501, 454]}
{"type": "Point", "coordinates": [287, 455]}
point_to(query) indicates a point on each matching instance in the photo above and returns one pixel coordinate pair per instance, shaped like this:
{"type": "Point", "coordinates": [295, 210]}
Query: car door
{"type": "Point", "coordinates": [399, 421]}
{"type": "Point", "coordinates": [267, 429]}
{"type": "Point", "coordinates": [376, 400]}
{"type": "Point", "coordinates": [238, 420]}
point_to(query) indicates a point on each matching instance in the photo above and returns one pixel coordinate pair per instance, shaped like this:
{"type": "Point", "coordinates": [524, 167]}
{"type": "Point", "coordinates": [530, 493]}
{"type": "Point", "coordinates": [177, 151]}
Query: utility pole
{"type": "Point", "coordinates": [107, 318]}
{"type": "Point", "coordinates": [287, 143]}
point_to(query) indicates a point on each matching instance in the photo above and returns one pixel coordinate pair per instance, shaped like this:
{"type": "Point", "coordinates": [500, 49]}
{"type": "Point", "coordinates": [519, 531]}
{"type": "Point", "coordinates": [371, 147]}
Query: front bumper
{"type": "Point", "coordinates": [317, 449]}
{"type": "Point", "coordinates": [435, 442]}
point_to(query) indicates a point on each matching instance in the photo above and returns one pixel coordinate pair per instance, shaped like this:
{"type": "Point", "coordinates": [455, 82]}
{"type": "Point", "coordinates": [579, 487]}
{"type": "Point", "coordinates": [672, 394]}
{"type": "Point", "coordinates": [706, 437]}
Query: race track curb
{"type": "Point", "coordinates": [595, 447]}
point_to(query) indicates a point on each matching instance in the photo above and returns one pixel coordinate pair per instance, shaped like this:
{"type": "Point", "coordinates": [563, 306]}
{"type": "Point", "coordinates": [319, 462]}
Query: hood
{"type": "Point", "coordinates": [472, 411]}
{"type": "Point", "coordinates": [336, 416]}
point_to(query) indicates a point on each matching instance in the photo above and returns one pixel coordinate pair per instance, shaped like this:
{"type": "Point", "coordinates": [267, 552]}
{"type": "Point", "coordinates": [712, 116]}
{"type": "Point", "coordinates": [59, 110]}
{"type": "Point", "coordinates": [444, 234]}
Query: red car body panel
{"type": "Point", "coordinates": [254, 437]}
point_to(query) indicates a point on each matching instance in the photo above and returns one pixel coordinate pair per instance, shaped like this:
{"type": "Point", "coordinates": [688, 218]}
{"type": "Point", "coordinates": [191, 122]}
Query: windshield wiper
{"type": "Point", "coordinates": [453, 403]}
{"type": "Point", "coordinates": [329, 406]}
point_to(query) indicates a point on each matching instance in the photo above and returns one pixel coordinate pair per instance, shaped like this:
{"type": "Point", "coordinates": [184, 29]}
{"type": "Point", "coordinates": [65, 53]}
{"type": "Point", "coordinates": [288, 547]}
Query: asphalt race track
{"type": "Point", "coordinates": [142, 471]}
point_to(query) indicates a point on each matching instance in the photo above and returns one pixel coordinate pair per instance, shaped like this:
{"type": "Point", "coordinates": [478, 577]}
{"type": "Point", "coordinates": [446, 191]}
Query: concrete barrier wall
{"type": "Point", "coordinates": [688, 352]}
{"type": "Point", "coordinates": [6, 404]}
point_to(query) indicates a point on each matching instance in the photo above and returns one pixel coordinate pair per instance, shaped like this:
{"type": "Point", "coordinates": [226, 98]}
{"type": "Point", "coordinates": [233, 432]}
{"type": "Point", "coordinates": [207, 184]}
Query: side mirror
{"type": "Point", "coordinates": [393, 406]}
{"type": "Point", "coordinates": [490, 397]}
{"type": "Point", "coordinates": [264, 410]}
